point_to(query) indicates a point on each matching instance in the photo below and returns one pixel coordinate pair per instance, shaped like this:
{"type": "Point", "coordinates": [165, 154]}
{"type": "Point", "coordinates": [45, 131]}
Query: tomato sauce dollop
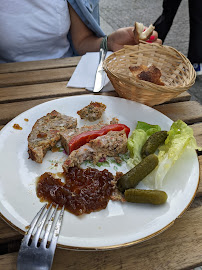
{"type": "Point", "coordinates": [84, 190]}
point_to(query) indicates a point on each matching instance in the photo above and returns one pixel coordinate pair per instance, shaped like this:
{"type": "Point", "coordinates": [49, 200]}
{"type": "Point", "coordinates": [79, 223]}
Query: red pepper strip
{"type": "Point", "coordinates": [84, 137]}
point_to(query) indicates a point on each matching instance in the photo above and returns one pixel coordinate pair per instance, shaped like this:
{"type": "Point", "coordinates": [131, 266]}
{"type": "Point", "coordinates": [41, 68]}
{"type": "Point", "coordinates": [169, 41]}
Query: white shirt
{"type": "Point", "coordinates": [33, 30]}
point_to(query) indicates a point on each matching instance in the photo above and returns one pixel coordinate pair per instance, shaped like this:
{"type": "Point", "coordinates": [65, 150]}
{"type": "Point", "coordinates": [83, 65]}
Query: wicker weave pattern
{"type": "Point", "coordinates": [177, 72]}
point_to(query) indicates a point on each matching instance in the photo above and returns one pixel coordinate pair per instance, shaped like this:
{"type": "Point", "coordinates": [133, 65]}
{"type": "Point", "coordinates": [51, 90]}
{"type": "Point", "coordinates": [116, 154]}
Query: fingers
{"type": "Point", "coordinates": [159, 41]}
{"type": "Point", "coordinates": [125, 36]}
{"type": "Point", "coordinates": [154, 38]}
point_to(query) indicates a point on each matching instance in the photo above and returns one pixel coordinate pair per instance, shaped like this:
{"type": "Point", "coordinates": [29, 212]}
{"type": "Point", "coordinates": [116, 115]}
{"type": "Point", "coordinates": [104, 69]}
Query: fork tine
{"type": "Point", "coordinates": [32, 226]}
{"type": "Point", "coordinates": [40, 226]}
{"type": "Point", "coordinates": [57, 228]}
{"type": "Point", "coordinates": [48, 228]}
{"type": "Point", "coordinates": [35, 257]}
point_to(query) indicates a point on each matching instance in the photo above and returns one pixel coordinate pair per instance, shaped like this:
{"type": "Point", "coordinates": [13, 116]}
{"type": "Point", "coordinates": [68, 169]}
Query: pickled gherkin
{"type": "Point", "coordinates": [145, 196]}
{"type": "Point", "coordinates": [136, 174]}
{"type": "Point", "coordinates": [153, 142]}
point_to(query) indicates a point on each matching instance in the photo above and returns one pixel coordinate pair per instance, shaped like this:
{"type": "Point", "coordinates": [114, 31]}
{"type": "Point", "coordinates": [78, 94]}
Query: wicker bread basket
{"type": "Point", "coordinates": [177, 72]}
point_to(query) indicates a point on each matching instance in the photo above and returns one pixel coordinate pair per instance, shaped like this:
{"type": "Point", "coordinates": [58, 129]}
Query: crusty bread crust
{"type": "Point", "coordinates": [151, 73]}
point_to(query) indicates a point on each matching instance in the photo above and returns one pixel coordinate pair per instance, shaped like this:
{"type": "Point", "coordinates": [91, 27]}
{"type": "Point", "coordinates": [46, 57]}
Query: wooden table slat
{"type": "Point", "coordinates": [38, 91]}
{"type": "Point", "coordinates": [188, 111]}
{"type": "Point", "coordinates": [39, 65]}
{"type": "Point", "coordinates": [36, 76]}
{"type": "Point", "coordinates": [197, 128]}
{"type": "Point", "coordinates": [53, 89]}
{"type": "Point", "coordinates": [185, 96]}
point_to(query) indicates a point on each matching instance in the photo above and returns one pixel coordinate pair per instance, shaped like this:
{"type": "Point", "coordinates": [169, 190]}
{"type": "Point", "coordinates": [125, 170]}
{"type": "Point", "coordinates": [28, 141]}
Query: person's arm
{"type": "Point", "coordinates": [84, 40]}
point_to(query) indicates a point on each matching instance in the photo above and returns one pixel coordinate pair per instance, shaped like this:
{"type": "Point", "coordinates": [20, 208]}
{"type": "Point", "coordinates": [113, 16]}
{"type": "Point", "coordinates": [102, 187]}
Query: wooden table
{"type": "Point", "coordinates": [24, 85]}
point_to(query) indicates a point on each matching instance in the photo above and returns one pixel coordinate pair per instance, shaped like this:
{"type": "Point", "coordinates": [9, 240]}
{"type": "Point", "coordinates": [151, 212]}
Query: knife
{"type": "Point", "coordinates": [100, 73]}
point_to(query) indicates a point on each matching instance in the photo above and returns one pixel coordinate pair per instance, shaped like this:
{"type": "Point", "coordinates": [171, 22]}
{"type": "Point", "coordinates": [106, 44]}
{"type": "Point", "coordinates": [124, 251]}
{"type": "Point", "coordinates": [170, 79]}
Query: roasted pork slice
{"type": "Point", "coordinates": [93, 111]}
{"type": "Point", "coordinates": [110, 145]}
{"type": "Point", "coordinates": [46, 133]}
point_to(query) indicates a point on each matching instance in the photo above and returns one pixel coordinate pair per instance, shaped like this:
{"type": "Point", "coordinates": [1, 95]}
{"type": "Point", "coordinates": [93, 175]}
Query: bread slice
{"type": "Point", "coordinates": [141, 32]}
{"type": "Point", "coordinates": [148, 73]}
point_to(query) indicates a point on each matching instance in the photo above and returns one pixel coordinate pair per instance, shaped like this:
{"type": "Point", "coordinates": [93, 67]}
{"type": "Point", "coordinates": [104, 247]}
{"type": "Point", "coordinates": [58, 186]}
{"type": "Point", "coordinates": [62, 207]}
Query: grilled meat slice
{"type": "Point", "coordinates": [46, 133]}
{"type": "Point", "coordinates": [111, 144]}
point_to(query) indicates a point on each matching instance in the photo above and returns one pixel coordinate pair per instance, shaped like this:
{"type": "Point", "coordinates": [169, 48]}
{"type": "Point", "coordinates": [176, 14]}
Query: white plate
{"type": "Point", "coordinates": [117, 225]}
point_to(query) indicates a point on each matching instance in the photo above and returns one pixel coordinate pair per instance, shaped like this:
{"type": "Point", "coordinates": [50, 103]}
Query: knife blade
{"type": "Point", "coordinates": [100, 73]}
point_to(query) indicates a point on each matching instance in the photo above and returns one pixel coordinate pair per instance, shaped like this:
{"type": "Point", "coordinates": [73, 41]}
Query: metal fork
{"type": "Point", "coordinates": [38, 252]}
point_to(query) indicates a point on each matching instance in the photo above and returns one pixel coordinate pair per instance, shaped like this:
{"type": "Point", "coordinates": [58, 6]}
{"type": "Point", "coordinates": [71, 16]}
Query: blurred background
{"type": "Point", "coordinates": [115, 14]}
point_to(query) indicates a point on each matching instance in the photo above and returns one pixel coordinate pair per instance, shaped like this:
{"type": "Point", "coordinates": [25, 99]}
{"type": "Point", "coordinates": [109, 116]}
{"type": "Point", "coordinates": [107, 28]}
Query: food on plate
{"type": "Point", "coordinates": [148, 73]}
{"type": "Point", "coordinates": [153, 143]}
{"type": "Point", "coordinates": [180, 137]}
{"type": "Point", "coordinates": [69, 134]}
{"type": "Point", "coordinates": [93, 111]}
{"type": "Point", "coordinates": [84, 190]}
{"type": "Point", "coordinates": [137, 139]}
{"type": "Point", "coordinates": [141, 32]}
{"type": "Point", "coordinates": [132, 178]}
{"type": "Point", "coordinates": [111, 144]}
{"type": "Point", "coordinates": [88, 190]}
{"type": "Point", "coordinates": [46, 133]}
{"type": "Point", "coordinates": [82, 138]}
{"type": "Point", "coordinates": [145, 196]}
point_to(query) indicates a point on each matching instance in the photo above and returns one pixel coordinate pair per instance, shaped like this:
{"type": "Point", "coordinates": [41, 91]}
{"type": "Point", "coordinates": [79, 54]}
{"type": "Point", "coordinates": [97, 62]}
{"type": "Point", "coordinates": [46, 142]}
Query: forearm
{"type": "Point", "coordinates": [90, 43]}
{"type": "Point", "coordinates": [84, 40]}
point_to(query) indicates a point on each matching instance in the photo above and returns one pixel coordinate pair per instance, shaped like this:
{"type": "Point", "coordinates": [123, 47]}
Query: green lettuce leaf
{"type": "Point", "coordinates": [137, 140]}
{"type": "Point", "coordinates": [180, 137]}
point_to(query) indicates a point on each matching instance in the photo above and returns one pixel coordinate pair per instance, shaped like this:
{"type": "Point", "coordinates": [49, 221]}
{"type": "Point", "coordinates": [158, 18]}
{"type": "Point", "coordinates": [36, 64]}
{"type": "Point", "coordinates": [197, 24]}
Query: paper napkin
{"type": "Point", "coordinates": [84, 74]}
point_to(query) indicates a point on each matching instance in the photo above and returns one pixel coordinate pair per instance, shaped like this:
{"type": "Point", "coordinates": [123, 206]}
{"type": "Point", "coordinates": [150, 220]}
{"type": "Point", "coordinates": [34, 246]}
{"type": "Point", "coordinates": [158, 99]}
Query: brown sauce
{"type": "Point", "coordinates": [26, 119]}
{"type": "Point", "coordinates": [84, 190]}
{"type": "Point", "coordinates": [17, 126]}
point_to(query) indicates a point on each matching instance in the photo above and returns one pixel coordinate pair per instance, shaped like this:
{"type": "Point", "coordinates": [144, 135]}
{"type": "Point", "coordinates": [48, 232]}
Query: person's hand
{"type": "Point", "coordinates": [125, 36]}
